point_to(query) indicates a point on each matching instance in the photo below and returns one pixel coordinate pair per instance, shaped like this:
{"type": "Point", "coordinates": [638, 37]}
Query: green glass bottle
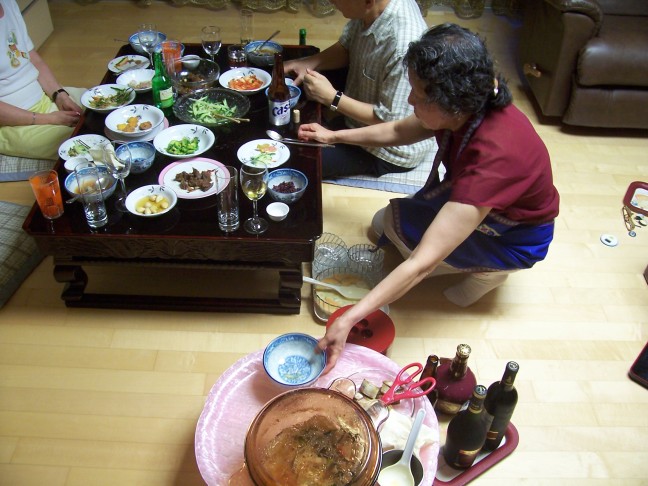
{"type": "Point", "coordinates": [302, 37]}
{"type": "Point", "coordinates": [161, 86]}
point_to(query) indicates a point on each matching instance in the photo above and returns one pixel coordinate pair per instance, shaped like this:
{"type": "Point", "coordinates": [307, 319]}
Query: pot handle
{"type": "Point", "coordinates": [378, 412]}
{"type": "Point", "coordinates": [345, 386]}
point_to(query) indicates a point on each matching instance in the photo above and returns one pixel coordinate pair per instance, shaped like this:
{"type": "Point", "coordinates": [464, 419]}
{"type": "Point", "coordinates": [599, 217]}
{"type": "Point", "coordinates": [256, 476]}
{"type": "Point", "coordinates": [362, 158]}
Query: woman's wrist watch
{"type": "Point", "coordinates": [56, 93]}
{"type": "Point", "coordinates": [336, 100]}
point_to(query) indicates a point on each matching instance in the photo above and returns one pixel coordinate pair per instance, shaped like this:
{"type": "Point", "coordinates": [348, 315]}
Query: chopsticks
{"type": "Point", "coordinates": [231, 118]}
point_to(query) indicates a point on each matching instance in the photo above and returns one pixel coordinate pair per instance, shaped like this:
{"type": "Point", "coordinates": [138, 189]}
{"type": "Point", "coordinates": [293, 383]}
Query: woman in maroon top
{"type": "Point", "coordinates": [493, 211]}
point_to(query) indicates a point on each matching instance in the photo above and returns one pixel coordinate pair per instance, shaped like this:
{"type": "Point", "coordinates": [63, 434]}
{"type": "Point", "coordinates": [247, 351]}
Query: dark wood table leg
{"type": "Point", "coordinates": [75, 280]}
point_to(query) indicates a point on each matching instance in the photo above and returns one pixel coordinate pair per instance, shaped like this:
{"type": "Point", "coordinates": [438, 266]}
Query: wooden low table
{"type": "Point", "coordinates": [188, 238]}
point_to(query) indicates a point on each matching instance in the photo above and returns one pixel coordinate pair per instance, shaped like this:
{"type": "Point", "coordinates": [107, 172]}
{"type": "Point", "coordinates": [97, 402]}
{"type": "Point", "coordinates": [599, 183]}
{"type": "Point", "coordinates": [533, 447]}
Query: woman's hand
{"type": "Point", "coordinates": [65, 103]}
{"type": "Point", "coordinates": [67, 118]}
{"type": "Point", "coordinates": [318, 87]}
{"type": "Point", "coordinates": [334, 340]}
{"type": "Point", "coordinates": [316, 133]}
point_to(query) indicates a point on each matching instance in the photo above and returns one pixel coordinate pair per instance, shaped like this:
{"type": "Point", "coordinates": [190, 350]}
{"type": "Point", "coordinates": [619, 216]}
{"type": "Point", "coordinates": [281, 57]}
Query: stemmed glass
{"type": "Point", "coordinates": [147, 35]}
{"type": "Point", "coordinates": [119, 165]}
{"type": "Point", "coordinates": [211, 40]}
{"type": "Point", "coordinates": [254, 182]}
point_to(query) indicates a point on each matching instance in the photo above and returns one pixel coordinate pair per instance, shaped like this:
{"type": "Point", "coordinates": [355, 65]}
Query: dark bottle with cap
{"type": "Point", "coordinates": [500, 403]}
{"type": "Point", "coordinates": [455, 381]}
{"type": "Point", "coordinates": [429, 370]}
{"type": "Point", "coordinates": [302, 37]}
{"type": "Point", "coordinates": [466, 432]}
{"type": "Point", "coordinates": [278, 95]}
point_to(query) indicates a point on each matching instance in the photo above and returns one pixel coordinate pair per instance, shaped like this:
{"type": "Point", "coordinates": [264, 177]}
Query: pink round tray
{"type": "Point", "coordinates": [244, 388]}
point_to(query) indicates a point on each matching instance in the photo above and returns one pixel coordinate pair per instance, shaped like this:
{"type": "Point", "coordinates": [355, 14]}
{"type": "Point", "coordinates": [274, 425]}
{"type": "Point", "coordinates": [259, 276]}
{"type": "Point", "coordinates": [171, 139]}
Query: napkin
{"type": "Point", "coordinates": [396, 429]}
{"type": "Point", "coordinates": [97, 154]}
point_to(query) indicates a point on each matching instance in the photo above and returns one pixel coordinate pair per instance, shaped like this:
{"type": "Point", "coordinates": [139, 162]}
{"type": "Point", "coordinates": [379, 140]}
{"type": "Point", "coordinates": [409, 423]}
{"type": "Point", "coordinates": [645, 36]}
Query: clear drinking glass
{"type": "Point", "coordinates": [118, 163]}
{"type": "Point", "coordinates": [247, 27]}
{"type": "Point", "coordinates": [254, 183]}
{"type": "Point", "coordinates": [211, 40]}
{"type": "Point", "coordinates": [147, 35]}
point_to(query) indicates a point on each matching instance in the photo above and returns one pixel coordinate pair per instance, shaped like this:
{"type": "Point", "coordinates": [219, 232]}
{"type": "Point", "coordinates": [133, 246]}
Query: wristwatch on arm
{"type": "Point", "coordinates": [336, 101]}
{"type": "Point", "coordinates": [56, 93]}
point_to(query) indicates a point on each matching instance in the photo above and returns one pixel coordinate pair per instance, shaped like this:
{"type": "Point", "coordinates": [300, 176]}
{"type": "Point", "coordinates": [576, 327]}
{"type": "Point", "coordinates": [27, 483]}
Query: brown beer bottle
{"type": "Point", "coordinates": [429, 370]}
{"type": "Point", "coordinates": [278, 95]}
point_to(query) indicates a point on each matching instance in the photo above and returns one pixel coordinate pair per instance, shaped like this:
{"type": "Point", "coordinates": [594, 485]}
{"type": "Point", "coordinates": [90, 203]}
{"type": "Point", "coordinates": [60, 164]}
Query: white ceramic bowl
{"type": "Point", "coordinates": [292, 360]}
{"type": "Point", "coordinates": [72, 162]}
{"type": "Point", "coordinates": [143, 114]}
{"type": "Point", "coordinates": [295, 93]}
{"type": "Point", "coordinates": [239, 73]}
{"type": "Point", "coordinates": [145, 201]}
{"type": "Point", "coordinates": [109, 183]}
{"type": "Point", "coordinates": [177, 133]}
{"type": "Point", "coordinates": [143, 154]}
{"type": "Point", "coordinates": [278, 176]}
{"type": "Point", "coordinates": [99, 98]}
{"type": "Point", "coordinates": [277, 211]}
{"type": "Point", "coordinates": [138, 79]}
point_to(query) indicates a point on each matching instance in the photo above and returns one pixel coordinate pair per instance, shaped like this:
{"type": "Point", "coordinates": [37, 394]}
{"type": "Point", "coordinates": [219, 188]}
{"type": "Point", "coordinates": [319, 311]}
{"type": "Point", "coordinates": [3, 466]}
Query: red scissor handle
{"type": "Point", "coordinates": [406, 387]}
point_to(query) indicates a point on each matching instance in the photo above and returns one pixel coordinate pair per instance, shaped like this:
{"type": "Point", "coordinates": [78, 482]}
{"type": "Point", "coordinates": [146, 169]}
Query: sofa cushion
{"type": "Point", "coordinates": [19, 168]}
{"type": "Point", "coordinates": [18, 252]}
{"type": "Point", "coordinates": [618, 56]}
{"type": "Point", "coordinates": [624, 7]}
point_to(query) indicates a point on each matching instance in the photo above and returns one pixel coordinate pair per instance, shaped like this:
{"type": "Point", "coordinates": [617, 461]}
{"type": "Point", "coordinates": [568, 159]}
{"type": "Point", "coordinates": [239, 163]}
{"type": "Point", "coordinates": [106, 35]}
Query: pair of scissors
{"type": "Point", "coordinates": [406, 387]}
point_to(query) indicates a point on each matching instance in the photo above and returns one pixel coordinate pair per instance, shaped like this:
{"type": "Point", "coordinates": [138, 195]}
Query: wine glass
{"type": "Point", "coordinates": [118, 162]}
{"type": "Point", "coordinates": [254, 182]}
{"type": "Point", "coordinates": [147, 35]}
{"type": "Point", "coordinates": [211, 40]}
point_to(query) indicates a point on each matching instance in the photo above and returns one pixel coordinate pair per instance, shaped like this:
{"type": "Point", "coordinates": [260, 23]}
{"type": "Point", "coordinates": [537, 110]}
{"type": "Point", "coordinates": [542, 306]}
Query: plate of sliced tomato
{"type": "Point", "coordinates": [245, 80]}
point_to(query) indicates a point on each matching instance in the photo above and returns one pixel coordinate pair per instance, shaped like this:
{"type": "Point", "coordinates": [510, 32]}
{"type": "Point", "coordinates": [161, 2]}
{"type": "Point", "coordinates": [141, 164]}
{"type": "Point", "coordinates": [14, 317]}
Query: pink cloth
{"type": "Point", "coordinates": [242, 391]}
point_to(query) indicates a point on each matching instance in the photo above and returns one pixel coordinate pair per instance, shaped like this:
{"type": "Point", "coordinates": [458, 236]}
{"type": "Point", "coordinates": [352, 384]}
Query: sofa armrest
{"type": "Point", "coordinates": [552, 34]}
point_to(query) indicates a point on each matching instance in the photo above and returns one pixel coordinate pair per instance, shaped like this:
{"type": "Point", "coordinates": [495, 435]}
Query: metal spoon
{"type": "Point", "coordinates": [266, 41]}
{"type": "Point", "coordinates": [350, 292]}
{"type": "Point", "coordinates": [279, 138]}
{"type": "Point", "coordinates": [401, 473]}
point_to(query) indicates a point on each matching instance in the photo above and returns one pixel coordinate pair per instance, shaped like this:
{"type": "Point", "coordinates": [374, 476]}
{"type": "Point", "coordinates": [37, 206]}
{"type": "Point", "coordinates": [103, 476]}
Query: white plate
{"type": "Point", "coordinates": [205, 136]}
{"type": "Point", "coordinates": [251, 151]}
{"type": "Point", "coordinates": [92, 140]}
{"type": "Point", "coordinates": [147, 137]}
{"type": "Point", "coordinates": [105, 90]}
{"type": "Point", "coordinates": [227, 76]}
{"type": "Point", "coordinates": [122, 64]}
{"type": "Point", "coordinates": [144, 113]}
{"type": "Point", "coordinates": [168, 175]}
{"type": "Point", "coordinates": [134, 77]}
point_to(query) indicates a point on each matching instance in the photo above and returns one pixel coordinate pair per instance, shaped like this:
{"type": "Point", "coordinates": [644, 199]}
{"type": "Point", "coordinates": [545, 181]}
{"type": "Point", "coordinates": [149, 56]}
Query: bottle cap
{"type": "Point", "coordinates": [463, 350]}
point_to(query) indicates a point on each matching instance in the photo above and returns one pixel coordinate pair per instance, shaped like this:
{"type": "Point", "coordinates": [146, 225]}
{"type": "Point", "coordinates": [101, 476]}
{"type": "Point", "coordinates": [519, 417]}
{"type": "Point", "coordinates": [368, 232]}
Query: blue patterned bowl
{"type": "Point", "coordinates": [143, 154]}
{"type": "Point", "coordinates": [292, 360]}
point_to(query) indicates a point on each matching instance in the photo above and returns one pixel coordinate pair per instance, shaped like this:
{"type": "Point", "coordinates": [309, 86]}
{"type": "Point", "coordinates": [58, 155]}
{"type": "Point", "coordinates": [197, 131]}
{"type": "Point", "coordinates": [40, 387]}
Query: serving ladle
{"type": "Point", "coordinates": [401, 472]}
{"type": "Point", "coordinates": [350, 292]}
{"type": "Point", "coordinates": [280, 138]}
{"type": "Point", "coordinates": [257, 49]}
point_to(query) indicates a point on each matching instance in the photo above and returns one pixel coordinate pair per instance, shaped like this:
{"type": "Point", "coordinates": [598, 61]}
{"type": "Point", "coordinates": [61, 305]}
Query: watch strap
{"type": "Point", "coordinates": [336, 100]}
{"type": "Point", "coordinates": [56, 93]}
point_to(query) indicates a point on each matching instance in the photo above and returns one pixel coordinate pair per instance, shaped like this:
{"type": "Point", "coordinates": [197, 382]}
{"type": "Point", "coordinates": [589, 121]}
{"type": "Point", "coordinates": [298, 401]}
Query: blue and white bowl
{"type": "Point", "coordinates": [264, 57]}
{"type": "Point", "coordinates": [108, 183]}
{"type": "Point", "coordinates": [276, 177]}
{"type": "Point", "coordinates": [143, 154]}
{"type": "Point", "coordinates": [133, 40]}
{"type": "Point", "coordinates": [293, 360]}
{"type": "Point", "coordinates": [295, 93]}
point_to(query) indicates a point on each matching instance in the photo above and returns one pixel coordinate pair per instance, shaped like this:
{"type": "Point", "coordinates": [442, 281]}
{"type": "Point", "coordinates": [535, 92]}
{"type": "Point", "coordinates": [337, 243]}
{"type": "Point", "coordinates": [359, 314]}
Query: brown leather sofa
{"type": "Point", "coordinates": [586, 61]}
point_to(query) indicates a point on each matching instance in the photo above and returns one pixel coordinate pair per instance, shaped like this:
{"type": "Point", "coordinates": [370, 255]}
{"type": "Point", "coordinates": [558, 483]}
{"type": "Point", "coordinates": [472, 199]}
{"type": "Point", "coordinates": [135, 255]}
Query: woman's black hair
{"type": "Point", "coordinates": [457, 71]}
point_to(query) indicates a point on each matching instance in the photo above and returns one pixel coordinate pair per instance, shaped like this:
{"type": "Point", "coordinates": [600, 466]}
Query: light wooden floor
{"type": "Point", "coordinates": [97, 397]}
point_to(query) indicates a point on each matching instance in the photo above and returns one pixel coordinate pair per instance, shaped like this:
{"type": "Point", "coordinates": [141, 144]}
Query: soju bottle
{"type": "Point", "coordinates": [161, 86]}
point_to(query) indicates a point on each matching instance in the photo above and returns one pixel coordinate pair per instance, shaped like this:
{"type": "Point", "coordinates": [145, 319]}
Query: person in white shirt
{"type": "Point", "coordinates": [36, 113]}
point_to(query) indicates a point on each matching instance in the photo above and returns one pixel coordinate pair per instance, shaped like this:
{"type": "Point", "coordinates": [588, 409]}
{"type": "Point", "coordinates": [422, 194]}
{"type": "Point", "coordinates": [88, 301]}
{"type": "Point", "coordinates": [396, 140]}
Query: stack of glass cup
{"type": "Point", "coordinates": [360, 265]}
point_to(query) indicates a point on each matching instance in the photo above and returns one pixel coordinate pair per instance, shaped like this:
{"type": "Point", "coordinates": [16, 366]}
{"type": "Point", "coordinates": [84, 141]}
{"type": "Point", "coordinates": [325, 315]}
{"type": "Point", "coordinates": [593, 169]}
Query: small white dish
{"type": "Point", "coordinates": [122, 64]}
{"type": "Point", "coordinates": [146, 117]}
{"type": "Point", "coordinates": [240, 73]}
{"type": "Point", "coordinates": [177, 133]}
{"type": "Point", "coordinates": [138, 79]}
{"type": "Point", "coordinates": [277, 211]}
{"type": "Point", "coordinates": [72, 162]}
{"type": "Point", "coordinates": [151, 201]}
{"type": "Point", "coordinates": [271, 153]}
{"type": "Point", "coordinates": [99, 98]}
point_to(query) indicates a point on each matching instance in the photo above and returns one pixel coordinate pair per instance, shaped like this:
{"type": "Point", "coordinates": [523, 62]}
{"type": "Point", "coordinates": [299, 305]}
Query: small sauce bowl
{"type": "Point", "coordinates": [277, 211]}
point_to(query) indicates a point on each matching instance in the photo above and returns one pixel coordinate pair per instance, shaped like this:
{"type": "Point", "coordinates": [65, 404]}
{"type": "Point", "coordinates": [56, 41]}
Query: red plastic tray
{"type": "Point", "coordinates": [454, 477]}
